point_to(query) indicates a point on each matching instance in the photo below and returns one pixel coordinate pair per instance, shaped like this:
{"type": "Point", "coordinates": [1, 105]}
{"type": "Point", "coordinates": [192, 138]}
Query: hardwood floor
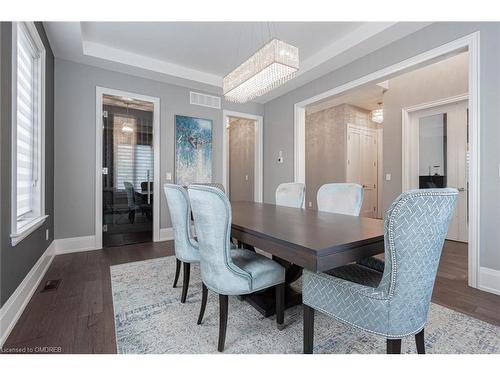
{"type": "Point", "coordinates": [451, 289]}
{"type": "Point", "coordinates": [78, 316]}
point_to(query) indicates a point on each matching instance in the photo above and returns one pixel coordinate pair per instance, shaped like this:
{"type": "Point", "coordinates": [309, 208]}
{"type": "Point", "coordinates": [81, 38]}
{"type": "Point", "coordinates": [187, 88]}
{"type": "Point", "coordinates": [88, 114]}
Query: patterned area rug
{"type": "Point", "coordinates": [149, 318]}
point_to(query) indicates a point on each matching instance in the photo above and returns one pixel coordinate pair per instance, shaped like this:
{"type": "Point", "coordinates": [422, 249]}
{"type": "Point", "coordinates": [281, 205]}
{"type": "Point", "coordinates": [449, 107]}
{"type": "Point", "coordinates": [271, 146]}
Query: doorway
{"type": "Point", "coordinates": [127, 168]}
{"type": "Point", "coordinates": [242, 156]}
{"type": "Point", "coordinates": [469, 43]}
{"type": "Point", "coordinates": [241, 159]}
{"type": "Point", "coordinates": [439, 137]}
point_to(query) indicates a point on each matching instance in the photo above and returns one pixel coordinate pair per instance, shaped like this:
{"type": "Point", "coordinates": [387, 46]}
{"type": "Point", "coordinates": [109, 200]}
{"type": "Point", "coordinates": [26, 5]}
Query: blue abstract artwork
{"type": "Point", "coordinates": [193, 150]}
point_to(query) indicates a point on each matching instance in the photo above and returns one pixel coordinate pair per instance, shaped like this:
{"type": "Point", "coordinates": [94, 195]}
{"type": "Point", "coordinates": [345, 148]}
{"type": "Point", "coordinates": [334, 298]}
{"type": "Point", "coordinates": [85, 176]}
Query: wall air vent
{"type": "Point", "coordinates": [204, 100]}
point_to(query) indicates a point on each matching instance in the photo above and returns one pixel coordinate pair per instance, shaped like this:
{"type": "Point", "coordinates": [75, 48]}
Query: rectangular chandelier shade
{"type": "Point", "coordinates": [269, 67]}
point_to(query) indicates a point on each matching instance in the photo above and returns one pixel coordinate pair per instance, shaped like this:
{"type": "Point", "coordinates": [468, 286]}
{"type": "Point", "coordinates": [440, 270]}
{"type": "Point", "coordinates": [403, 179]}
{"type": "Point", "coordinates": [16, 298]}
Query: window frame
{"type": "Point", "coordinates": [30, 224]}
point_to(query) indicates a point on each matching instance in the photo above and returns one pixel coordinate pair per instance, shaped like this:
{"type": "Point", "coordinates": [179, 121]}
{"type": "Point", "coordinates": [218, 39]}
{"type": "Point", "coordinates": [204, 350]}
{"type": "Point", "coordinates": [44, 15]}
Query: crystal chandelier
{"type": "Point", "coordinates": [378, 115]}
{"type": "Point", "coordinates": [269, 67]}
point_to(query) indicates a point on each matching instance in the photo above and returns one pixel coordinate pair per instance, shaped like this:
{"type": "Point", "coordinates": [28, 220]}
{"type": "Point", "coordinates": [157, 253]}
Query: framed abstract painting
{"type": "Point", "coordinates": [193, 150]}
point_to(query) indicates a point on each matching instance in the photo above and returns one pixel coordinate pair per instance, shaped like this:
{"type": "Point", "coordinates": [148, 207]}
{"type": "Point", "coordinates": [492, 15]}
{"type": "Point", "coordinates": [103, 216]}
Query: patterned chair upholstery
{"type": "Point", "coordinates": [224, 270]}
{"type": "Point", "coordinates": [393, 303]}
{"type": "Point", "coordinates": [344, 198]}
{"type": "Point", "coordinates": [213, 184]}
{"type": "Point", "coordinates": [290, 194]}
{"type": "Point", "coordinates": [186, 248]}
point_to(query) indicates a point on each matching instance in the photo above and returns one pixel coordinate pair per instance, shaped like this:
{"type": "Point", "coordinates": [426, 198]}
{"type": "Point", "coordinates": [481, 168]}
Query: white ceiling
{"type": "Point", "coordinates": [211, 47]}
{"type": "Point", "coordinates": [199, 54]}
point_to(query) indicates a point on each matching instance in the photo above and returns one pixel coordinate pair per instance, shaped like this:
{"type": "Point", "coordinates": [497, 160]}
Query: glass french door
{"type": "Point", "coordinates": [127, 171]}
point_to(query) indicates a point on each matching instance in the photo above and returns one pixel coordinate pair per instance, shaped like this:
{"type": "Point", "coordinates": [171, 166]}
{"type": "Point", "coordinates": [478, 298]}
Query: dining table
{"type": "Point", "coordinates": [300, 239]}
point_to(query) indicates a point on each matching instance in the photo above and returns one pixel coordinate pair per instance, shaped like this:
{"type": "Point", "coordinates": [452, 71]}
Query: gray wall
{"type": "Point", "coordinates": [325, 150]}
{"type": "Point", "coordinates": [75, 138]}
{"type": "Point", "coordinates": [437, 81]}
{"type": "Point", "coordinates": [279, 113]}
{"type": "Point", "coordinates": [16, 262]}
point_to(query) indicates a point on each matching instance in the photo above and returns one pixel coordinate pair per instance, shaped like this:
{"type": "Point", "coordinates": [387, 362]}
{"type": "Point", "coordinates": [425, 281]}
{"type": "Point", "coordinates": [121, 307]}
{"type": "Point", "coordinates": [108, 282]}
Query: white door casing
{"type": "Point", "coordinates": [100, 91]}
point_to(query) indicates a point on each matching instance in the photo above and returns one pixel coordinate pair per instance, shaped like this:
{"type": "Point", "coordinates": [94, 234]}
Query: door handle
{"type": "Point", "coordinates": [461, 189]}
{"type": "Point", "coordinates": [149, 188]}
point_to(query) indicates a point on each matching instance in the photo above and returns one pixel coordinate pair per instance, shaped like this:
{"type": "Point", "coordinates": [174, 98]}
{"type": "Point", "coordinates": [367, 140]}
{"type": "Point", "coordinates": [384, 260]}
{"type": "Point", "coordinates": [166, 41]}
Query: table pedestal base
{"type": "Point", "coordinates": [265, 301]}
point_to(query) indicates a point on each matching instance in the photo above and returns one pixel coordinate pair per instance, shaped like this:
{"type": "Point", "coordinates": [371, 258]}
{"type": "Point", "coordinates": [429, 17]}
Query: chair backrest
{"type": "Point", "coordinates": [212, 220]}
{"type": "Point", "coordinates": [186, 248]}
{"type": "Point", "coordinates": [144, 186]}
{"type": "Point", "coordinates": [416, 225]}
{"type": "Point", "coordinates": [340, 198]}
{"type": "Point", "coordinates": [129, 188]}
{"type": "Point", "coordinates": [213, 184]}
{"type": "Point", "coordinates": [290, 194]}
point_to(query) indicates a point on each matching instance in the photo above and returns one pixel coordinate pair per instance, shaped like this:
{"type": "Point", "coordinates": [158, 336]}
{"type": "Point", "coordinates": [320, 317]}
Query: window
{"type": "Point", "coordinates": [133, 159]}
{"type": "Point", "coordinates": [28, 72]}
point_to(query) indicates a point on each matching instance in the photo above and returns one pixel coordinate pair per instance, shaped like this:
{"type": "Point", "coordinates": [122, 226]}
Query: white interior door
{"type": "Point", "coordinates": [362, 159]}
{"type": "Point", "coordinates": [457, 169]}
{"type": "Point", "coordinates": [442, 159]}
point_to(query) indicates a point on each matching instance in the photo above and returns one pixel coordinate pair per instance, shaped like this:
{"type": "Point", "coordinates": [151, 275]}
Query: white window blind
{"type": "Point", "coordinates": [27, 124]}
{"type": "Point", "coordinates": [132, 161]}
{"type": "Point", "coordinates": [28, 72]}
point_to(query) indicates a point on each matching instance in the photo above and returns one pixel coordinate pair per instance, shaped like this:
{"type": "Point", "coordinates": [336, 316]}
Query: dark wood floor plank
{"type": "Point", "coordinates": [78, 317]}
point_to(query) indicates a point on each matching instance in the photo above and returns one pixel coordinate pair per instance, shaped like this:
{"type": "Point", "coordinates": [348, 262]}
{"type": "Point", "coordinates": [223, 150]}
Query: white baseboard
{"type": "Point", "coordinates": [75, 244]}
{"type": "Point", "coordinates": [15, 305]}
{"type": "Point", "coordinates": [86, 243]}
{"type": "Point", "coordinates": [489, 280]}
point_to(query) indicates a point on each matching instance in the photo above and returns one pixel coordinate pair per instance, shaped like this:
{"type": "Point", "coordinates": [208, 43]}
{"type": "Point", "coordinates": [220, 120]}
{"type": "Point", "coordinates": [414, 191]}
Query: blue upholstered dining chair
{"type": "Point", "coordinates": [393, 303]}
{"type": "Point", "coordinates": [290, 194]}
{"type": "Point", "coordinates": [213, 184]}
{"type": "Point", "coordinates": [186, 248]}
{"type": "Point", "coordinates": [225, 271]}
{"type": "Point", "coordinates": [131, 201]}
{"type": "Point", "coordinates": [340, 198]}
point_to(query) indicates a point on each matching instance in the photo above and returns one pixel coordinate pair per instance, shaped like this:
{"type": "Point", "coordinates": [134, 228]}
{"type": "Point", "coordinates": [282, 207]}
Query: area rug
{"type": "Point", "coordinates": [149, 318]}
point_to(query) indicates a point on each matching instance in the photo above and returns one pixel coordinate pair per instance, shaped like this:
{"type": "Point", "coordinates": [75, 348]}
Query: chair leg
{"type": "Point", "coordinates": [420, 341]}
{"type": "Point", "coordinates": [308, 329]}
{"type": "Point", "coordinates": [280, 305]}
{"type": "Point", "coordinates": [177, 272]}
{"type": "Point", "coordinates": [393, 346]}
{"type": "Point", "coordinates": [204, 293]}
{"type": "Point", "coordinates": [185, 281]}
{"type": "Point", "coordinates": [223, 310]}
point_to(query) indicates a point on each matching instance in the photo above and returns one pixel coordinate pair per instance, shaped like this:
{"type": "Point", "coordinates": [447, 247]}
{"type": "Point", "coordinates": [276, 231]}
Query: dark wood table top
{"type": "Point", "coordinates": [312, 239]}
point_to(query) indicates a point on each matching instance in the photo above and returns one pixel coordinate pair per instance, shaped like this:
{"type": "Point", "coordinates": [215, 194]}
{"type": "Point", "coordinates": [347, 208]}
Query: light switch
{"type": "Point", "coordinates": [246, 177]}
{"type": "Point", "coordinates": [388, 177]}
{"type": "Point", "coordinates": [168, 177]}
{"type": "Point", "coordinates": [280, 157]}
{"type": "Point", "coordinates": [310, 204]}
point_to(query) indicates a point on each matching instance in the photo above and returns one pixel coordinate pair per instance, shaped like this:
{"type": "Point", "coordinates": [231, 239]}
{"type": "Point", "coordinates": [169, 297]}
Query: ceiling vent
{"type": "Point", "coordinates": [204, 100]}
